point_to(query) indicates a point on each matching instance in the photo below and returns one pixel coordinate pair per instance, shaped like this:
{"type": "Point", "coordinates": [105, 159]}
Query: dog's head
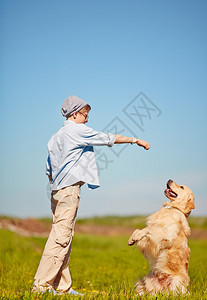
{"type": "Point", "coordinates": [181, 197]}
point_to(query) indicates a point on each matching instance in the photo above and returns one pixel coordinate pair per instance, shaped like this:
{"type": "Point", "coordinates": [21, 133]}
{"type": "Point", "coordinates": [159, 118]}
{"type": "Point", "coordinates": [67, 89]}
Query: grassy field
{"type": "Point", "coordinates": [102, 267]}
{"type": "Point", "coordinates": [130, 221]}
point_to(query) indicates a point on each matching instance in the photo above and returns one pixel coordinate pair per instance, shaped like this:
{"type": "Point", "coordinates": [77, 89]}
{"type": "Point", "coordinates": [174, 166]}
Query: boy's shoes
{"type": "Point", "coordinates": [70, 292]}
{"type": "Point", "coordinates": [50, 291]}
{"type": "Point", "coordinates": [74, 293]}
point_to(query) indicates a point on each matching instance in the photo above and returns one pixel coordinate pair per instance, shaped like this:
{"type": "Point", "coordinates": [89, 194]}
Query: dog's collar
{"type": "Point", "coordinates": [168, 206]}
{"type": "Point", "coordinates": [171, 207]}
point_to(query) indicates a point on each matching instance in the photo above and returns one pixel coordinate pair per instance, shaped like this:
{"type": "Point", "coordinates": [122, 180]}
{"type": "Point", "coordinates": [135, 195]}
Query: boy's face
{"type": "Point", "coordinates": [82, 117]}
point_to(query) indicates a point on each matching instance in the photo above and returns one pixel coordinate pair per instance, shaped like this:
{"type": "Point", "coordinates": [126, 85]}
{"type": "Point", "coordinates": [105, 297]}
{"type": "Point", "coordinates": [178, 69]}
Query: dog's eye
{"type": "Point", "coordinates": [182, 187]}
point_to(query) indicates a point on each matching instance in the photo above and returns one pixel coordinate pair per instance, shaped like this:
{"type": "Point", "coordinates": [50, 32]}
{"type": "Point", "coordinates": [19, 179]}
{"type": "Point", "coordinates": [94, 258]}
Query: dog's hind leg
{"type": "Point", "coordinates": [140, 288]}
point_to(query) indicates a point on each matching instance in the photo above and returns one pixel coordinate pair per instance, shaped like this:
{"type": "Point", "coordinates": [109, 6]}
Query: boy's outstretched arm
{"type": "Point", "coordinates": [120, 139]}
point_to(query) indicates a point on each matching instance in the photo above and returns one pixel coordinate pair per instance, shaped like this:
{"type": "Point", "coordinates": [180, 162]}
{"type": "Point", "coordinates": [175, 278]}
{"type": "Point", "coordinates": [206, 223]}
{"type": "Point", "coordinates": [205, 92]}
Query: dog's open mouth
{"type": "Point", "coordinates": [170, 192]}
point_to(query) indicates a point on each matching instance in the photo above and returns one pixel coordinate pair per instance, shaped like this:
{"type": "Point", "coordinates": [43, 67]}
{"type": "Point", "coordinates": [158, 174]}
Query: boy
{"type": "Point", "coordinates": [69, 152]}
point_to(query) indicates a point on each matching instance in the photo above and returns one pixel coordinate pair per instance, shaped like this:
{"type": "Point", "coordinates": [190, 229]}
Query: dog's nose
{"type": "Point", "coordinates": [170, 181]}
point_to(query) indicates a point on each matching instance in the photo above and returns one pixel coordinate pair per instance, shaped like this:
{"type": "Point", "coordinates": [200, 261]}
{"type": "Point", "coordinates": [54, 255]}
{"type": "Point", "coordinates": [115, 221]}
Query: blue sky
{"type": "Point", "coordinates": [106, 52]}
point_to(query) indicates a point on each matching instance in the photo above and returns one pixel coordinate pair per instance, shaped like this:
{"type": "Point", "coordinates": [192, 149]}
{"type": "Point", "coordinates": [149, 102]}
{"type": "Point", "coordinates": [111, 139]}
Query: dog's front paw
{"type": "Point", "coordinates": [133, 237]}
{"type": "Point", "coordinates": [131, 242]}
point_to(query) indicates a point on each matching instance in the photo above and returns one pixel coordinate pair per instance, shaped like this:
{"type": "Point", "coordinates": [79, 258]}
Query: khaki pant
{"type": "Point", "coordinates": [53, 269]}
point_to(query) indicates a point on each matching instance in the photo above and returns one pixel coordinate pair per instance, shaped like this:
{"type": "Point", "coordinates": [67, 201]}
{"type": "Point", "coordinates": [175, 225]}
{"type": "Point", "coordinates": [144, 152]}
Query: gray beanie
{"type": "Point", "coordinates": [71, 105]}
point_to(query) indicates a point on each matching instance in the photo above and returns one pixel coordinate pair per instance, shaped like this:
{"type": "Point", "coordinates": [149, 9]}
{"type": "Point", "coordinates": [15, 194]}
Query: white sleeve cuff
{"type": "Point", "coordinates": [111, 139]}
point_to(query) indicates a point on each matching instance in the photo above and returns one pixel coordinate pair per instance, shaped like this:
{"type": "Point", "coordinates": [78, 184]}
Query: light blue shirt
{"type": "Point", "coordinates": [71, 156]}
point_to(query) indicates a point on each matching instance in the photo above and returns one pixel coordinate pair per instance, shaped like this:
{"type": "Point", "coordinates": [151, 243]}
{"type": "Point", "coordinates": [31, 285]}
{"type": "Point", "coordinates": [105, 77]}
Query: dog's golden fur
{"type": "Point", "coordinates": [164, 242]}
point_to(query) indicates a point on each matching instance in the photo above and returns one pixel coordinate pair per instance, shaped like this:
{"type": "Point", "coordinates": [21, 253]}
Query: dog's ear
{"type": "Point", "coordinates": [185, 205]}
{"type": "Point", "coordinates": [190, 204]}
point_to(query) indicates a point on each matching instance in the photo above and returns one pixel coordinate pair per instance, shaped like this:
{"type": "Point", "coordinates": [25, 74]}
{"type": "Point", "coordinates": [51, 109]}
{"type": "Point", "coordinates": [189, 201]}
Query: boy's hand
{"type": "Point", "coordinates": [143, 144]}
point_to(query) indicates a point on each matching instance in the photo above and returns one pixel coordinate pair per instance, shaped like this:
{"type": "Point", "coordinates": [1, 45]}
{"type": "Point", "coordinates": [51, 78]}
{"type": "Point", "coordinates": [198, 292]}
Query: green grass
{"type": "Point", "coordinates": [101, 267]}
{"type": "Point", "coordinates": [198, 222]}
{"type": "Point", "coordinates": [129, 221]}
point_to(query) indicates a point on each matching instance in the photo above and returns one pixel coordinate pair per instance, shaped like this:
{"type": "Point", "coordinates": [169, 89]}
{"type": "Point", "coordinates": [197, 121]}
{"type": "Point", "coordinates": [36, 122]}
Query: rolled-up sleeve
{"type": "Point", "coordinates": [91, 137]}
{"type": "Point", "coordinates": [111, 138]}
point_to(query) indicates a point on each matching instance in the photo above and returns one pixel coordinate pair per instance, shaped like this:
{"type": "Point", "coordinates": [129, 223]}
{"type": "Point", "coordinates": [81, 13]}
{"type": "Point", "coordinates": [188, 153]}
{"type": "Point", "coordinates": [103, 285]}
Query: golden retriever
{"type": "Point", "coordinates": [164, 242]}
